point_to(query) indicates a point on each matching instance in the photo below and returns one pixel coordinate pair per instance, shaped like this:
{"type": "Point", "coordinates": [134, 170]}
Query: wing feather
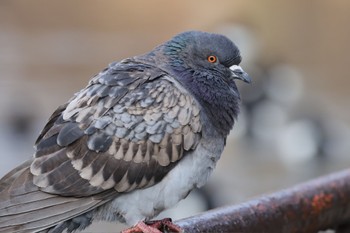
{"type": "Point", "coordinates": [126, 130]}
{"type": "Point", "coordinates": [25, 208]}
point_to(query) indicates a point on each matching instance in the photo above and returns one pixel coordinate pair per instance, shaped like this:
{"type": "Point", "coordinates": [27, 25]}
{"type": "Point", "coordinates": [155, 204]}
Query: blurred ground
{"type": "Point", "coordinates": [295, 119]}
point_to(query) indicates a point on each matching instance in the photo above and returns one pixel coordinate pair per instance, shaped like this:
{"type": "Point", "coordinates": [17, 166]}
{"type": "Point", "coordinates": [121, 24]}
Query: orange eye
{"type": "Point", "coordinates": [212, 59]}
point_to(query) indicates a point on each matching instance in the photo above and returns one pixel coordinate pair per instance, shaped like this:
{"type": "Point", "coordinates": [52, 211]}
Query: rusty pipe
{"type": "Point", "coordinates": [323, 203]}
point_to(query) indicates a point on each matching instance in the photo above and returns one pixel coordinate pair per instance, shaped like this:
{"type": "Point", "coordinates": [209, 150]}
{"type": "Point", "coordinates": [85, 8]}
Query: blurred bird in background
{"type": "Point", "coordinates": [135, 141]}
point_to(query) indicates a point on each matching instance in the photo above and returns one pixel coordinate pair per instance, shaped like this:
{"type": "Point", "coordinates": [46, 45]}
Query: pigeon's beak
{"type": "Point", "coordinates": [239, 73]}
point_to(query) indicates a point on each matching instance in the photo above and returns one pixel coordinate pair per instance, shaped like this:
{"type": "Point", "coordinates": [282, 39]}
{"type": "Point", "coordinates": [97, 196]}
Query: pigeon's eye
{"type": "Point", "coordinates": [212, 59]}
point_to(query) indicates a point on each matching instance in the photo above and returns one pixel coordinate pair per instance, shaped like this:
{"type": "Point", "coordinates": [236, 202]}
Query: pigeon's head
{"type": "Point", "coordinates": [207, 65]}
{"type": "Point", "coordinates": [206, 53]}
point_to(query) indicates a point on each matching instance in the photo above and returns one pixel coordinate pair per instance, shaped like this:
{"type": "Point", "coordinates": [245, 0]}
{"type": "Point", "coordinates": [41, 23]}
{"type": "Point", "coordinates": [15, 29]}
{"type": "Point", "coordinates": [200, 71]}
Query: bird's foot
{"type": "Point", "coordinates": [164, 225]}
{"type": "Point", "coordinates": [155, 226]}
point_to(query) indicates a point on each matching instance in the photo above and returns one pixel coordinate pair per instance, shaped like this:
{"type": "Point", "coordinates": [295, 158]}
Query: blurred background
{"type": "Point", "coordinates": [295, 118]}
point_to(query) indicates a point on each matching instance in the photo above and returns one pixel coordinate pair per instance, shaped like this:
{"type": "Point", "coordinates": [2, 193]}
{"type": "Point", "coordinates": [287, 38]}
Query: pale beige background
{"type": "Point", "coordinates": [50, 49]}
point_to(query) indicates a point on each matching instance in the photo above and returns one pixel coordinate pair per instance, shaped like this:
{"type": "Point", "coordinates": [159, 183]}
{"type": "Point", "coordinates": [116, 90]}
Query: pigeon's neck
{"type": "Point", "coordinates": [221, 108]}
{"type": "Point", "coordinates": [220, 101]}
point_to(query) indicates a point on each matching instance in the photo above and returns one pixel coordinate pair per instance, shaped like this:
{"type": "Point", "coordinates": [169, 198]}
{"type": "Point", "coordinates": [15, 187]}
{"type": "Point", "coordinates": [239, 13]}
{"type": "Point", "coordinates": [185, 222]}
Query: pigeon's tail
{"type": "Point", "coordinates": [24, 208]}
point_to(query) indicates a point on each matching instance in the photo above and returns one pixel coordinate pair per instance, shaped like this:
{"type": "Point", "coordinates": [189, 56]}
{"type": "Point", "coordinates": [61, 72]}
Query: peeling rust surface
{"type": "Point", "coordinates": [320, 204]}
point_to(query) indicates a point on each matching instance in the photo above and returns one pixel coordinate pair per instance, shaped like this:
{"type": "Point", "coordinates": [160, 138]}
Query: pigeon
{"type": "Point", "coordinates": [136, 140]}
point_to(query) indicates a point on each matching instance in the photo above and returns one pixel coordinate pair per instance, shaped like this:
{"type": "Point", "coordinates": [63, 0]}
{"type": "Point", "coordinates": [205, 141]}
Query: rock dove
{"type": "Point", "coordinates": [142, 134]}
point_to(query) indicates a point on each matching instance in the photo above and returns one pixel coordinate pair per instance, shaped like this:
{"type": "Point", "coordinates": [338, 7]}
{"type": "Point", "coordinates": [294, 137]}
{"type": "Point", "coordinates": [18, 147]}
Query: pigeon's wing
{"type": "Point", "coordinates": [126, 130]}
{"type": "Point", "coordinates": [25, 208]}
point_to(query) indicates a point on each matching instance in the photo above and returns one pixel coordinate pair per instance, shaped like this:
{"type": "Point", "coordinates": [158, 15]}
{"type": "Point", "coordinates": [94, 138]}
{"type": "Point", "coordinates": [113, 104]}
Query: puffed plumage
{"type": "Point", "coordinates": [135, 141]}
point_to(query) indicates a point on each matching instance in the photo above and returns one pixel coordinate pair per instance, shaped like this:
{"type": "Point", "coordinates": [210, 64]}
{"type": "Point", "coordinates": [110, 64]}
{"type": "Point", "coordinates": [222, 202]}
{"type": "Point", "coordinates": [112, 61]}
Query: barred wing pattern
{"type": "Point", "coordinates": [125, 130]}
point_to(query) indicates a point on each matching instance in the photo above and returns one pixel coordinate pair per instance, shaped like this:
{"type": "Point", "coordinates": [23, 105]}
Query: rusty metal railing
{"type": "Point", "coordinates": [320, 204]}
